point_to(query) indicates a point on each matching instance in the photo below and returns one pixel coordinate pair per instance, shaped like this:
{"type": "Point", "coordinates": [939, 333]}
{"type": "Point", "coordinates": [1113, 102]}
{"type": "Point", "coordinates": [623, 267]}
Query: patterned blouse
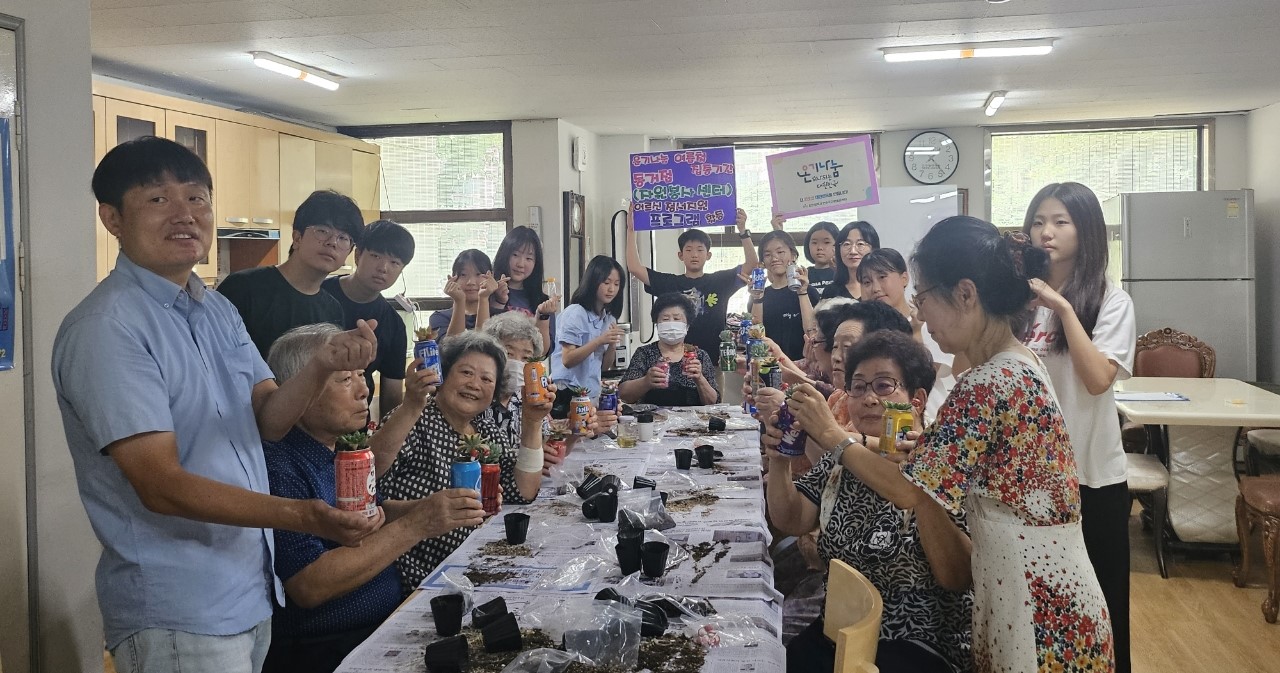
{"type": "Point", "coordinates": [869, 533]}
{"type": "Point", "coordinates": [683, 391]}
{"type": "Point", "coordinates": [423, 467]}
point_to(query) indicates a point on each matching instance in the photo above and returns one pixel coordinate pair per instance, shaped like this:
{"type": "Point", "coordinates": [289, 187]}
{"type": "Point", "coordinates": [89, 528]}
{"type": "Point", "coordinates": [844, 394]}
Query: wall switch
{"type": "Point", "coordinates": [535, 216]}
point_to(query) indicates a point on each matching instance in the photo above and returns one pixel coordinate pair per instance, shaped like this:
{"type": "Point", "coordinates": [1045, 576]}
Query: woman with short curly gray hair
{"type": "Point", "coordinates": [472, 364]}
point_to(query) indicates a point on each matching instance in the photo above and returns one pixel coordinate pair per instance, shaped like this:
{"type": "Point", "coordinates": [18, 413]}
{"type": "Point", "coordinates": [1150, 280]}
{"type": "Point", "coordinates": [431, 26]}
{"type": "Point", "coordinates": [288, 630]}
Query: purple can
{"type": "Point", "coordinates": [465, 474]}
{"type": "Point", "coordinates": [429, 351]}
{"type": "Point", "coordinates": [608, 402]}
{"type": "Point", "coordinates": [793, 438]}
{"type": "Point", "coordinates": [757, 279]}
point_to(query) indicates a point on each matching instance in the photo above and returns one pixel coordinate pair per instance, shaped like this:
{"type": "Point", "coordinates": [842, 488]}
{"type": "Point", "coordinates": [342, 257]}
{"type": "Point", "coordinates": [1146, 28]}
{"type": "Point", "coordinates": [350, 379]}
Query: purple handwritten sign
{"type": "Point", "coordinates": [684, 188]}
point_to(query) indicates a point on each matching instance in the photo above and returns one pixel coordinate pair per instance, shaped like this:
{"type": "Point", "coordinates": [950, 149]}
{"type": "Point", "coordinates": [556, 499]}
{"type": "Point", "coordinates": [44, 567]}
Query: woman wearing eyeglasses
{"type": "Point", "coordinates": [856, 239]}
{"type": "Point", "coordinates": [919, 561]}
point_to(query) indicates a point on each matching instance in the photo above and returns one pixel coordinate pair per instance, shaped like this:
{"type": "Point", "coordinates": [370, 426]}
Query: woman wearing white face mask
{"type": "Point", "coordinates": [678, 383]}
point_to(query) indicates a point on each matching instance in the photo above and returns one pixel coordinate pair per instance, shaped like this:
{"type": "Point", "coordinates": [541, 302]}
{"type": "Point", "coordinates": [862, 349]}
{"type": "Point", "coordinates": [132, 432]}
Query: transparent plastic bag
{"type": "Point", "coordinates": [606, 632]}
{"type": "Point", "coordinates": [457, 583]}
{"type": "Point", "coordinates": [544, 660]}
{"type": "Point", "coordinates": [607, 540]}
{"type": "Point", "coordinates": [642, 508]}
{"type": "Point", "coordinates": [579, 572]}
{"type": "Point", "coordinates": [721, 631]}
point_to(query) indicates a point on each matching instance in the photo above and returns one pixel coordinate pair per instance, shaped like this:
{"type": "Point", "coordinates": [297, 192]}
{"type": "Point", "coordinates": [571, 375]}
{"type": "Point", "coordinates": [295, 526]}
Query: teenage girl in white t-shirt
{"type": "Point", "coordinates": [1084, 332]}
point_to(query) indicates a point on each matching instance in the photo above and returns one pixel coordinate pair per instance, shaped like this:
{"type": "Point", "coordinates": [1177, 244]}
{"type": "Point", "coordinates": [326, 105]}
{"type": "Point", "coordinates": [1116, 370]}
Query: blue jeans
{"type": "Point", "coordinates": [166, 651]}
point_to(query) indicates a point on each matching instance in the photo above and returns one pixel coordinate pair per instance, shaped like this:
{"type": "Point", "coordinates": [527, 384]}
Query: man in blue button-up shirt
{"type": "Point", "coordinates": [165, 402]}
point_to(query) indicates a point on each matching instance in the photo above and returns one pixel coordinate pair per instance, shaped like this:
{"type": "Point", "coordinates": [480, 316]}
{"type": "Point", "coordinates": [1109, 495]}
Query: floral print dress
{"type": "Point", "coordinates": [1000, 451]}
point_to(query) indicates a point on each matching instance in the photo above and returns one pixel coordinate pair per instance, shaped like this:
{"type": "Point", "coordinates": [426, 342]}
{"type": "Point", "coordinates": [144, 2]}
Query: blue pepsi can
{"type": "Point", "coordinates": [429, 351]}
{"type": "Point", "coordinates": [465, 474]}
{"type": "Point", "coordinates": [757, 278]}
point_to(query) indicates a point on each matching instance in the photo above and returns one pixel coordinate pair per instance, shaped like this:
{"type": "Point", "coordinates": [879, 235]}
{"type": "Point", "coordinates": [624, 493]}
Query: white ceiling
{"type": "Point", "coordinates": [699, 67]}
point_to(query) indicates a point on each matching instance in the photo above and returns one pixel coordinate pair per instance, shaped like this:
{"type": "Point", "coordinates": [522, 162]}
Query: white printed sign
{"type": "Point", "coordinates": [823, 178]}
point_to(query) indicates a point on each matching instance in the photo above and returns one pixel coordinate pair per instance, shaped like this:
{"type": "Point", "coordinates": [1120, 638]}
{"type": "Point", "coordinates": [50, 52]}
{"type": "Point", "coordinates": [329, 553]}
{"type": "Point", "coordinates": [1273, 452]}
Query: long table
{"type": "Point", "coordinates": [720, 547]}
{"type": "Point", "coordinates": [1201, 434]}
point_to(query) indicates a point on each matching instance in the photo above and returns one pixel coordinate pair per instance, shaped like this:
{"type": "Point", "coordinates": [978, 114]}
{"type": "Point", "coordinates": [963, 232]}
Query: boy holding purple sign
{"type": "Point", "coordinates": [709, 292]}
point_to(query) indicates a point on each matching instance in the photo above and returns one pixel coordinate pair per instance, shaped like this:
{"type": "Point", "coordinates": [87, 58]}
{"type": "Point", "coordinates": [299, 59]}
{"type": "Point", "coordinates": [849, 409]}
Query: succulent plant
{"type": "Point", "coordinates": [477, 448]}
{"type": "Point", "coordinates": [897, 406]}
{"type": "Point", "coordinates": [756, 332]}
{"type": "Point", "coordinates": [353, 441]}
{"type": "Point", "coordinates": [726, 336]}
{"type": "Point", "coordinates": [424, 334]}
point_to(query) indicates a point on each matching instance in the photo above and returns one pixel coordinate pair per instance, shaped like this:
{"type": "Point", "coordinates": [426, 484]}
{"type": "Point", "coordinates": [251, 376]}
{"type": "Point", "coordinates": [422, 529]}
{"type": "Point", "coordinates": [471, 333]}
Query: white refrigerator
{"type": "Point", "coordinates": [1188, 263]}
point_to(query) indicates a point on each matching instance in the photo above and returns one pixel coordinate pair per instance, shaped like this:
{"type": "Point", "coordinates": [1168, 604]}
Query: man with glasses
{"type": "Point", "coordinates": [274, 299]}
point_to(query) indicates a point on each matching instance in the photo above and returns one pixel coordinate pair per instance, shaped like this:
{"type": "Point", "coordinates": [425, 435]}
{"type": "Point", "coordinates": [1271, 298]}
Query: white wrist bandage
{"type": "Point", "coordinates": [529, 460]}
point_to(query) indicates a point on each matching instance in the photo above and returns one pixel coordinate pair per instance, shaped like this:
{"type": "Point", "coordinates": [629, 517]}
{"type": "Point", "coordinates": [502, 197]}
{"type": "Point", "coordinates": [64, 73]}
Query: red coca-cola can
{"type": "Point", "coordinates": [357, 482]}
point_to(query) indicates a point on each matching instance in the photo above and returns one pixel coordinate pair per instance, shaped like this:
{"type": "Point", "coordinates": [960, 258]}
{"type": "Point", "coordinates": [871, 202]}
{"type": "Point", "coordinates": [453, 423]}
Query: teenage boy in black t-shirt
{"type": "Point", "coordinates": [274, 299]}
{"type": "Point", "coordinates": [709, 292]}
{"type": "Point", "coordinates": [380, 258]}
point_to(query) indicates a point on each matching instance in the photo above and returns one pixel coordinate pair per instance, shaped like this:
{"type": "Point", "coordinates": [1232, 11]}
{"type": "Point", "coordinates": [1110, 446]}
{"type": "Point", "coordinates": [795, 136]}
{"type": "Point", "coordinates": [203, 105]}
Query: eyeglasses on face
{"type": "Point", "coordinates": [882, 386]}
{"type": "Point", "coordinates": [918, 300]}
{"type": "Point", "coordinates": [859, 245]}
{"type": "Point", "coordinates": [325, 234]}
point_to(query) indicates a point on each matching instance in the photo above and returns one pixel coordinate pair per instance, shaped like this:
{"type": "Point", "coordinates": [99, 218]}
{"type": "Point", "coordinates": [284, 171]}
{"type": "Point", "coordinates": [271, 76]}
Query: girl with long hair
{"type": "Point", "coordinates": [1084, 331]}
{"type": "Point", "coordinates": [856, 239]}
{"type": "Point", "coordinates": [519, 258]}
{"type": "Point", "coordinates": [589, 330]}
{"type": "Point", "coordinates": [786, 313]}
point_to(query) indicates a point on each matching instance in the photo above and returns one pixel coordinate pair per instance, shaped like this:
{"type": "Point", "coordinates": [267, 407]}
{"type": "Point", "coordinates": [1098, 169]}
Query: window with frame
{"type": "Point", "coordinates": [448, 184]}
{"type": "Point", "coordinates": [752, 180]}
{"type": "Point", "coordinates": [1110, 161]}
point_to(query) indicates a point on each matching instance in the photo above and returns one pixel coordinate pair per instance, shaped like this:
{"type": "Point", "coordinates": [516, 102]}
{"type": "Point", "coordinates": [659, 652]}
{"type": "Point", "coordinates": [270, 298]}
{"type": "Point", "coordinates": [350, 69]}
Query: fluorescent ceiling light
{"type": "Point", "coordinates": [284, 66]}
{"type": "Point", "coordinates": [994, 101]}
{"type": "Point", "coordinates": [935, 52]}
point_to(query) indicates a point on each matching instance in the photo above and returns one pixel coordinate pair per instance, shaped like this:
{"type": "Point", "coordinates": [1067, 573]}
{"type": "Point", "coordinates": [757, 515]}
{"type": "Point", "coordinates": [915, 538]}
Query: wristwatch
{"type": "Point", "coordinates": [544, 316]}
{"type": "Point", "coordinates": [844, 444]}
{"type": "Point", "coordinates": [744, 234]}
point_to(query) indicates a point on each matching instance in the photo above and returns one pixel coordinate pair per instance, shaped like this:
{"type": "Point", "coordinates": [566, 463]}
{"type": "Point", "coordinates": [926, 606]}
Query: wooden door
{"type": "Point", "coordinates": [128, 121]}
{"type": "Point", "coordinates": [197, 134]}
{"type": "Point", "coordinates": [234, 166]}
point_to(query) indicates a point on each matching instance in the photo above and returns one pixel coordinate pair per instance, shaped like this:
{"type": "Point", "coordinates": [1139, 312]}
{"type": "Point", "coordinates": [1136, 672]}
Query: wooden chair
{"type": "Point", "coordinates": [1259, 503]}
{"type": "Point", "coordinates": [1161, 352]}
{"type": "Point", "coordinates": [852, 618]}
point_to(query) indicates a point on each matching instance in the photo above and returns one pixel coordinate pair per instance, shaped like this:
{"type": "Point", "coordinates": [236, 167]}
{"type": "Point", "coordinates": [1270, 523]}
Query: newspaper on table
{"type": "Point", "coordinates": [720, 554]}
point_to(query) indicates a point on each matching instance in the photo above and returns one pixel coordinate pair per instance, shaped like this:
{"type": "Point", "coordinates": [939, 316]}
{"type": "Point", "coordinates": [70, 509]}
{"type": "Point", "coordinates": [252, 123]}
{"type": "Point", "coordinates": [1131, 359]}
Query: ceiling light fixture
{"type": "Point", "coordinates": [994, 101]}
{"type": "Point", "coordinates": [306, 73]}
{"type": "Point", "coordinates": [936, 52]}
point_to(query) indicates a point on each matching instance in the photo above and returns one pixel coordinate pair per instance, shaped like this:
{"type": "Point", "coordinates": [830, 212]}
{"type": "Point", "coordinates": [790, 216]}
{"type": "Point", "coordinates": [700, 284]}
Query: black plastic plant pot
{"type": "Point", "coordinates": [485, 614]}
{"type": "Point", "coordinates": [448, 655]}
{"type": "Point", "coordinates": [643, 482]}
{"type": "Point", "coordinates": [447, 612]}
{"type": "Point", "coordinates": [653, 558]}
{"type": "Point", "coordinates": [589, 486]}
{"type": "Point", "coordinates": [629, 520]}
{"type": "Point", "coordinates": [517, 525]}
{"type": "Point", "coordinates": [630, 535]}
{"type": "Point", "coordinates": [502, 635]}
{"type": "Point", "coordinates": [716, 424]}
{"type": "Point", "coordinates": [663, 496]}
{"type": "Point", "coordinates": [706, 455]}
{"type": "Point", "coordinates": [607, 507]}
{"type": "Point", "coordinates": [611, 594]}
{"type": "Point", "coordinates": [653, 619]}
{"type": "Point", "coordinates": [610, 483]}
{"type": "Point", "coordinates": [629, 558]}
{"type": "Point", "coordinates": [684, 458]}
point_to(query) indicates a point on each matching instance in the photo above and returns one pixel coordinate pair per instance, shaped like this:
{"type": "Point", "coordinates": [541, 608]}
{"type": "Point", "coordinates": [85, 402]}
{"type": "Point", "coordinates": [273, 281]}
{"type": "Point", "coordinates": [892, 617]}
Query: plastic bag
{"type": "Point", "coordinates": [544, 660]}
{"type": "Point", "coordinates": [606, 632]}
{"type": "Point", "coordinates": [607, 540]}
{"type": "Point", "coordinates": [642, 508]}
{"type": "Point", "coordinates": [564, 479]}
{"type": "Point", "coordinates": [720, 631]}
{"type": "Point", "coordinates": [579, 572]}
{"type": "Point", "coordinates": [457, 583]}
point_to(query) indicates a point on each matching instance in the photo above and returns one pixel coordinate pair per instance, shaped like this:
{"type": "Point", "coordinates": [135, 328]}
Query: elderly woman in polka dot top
{"type": "Point", "coordinates": [473, 365]}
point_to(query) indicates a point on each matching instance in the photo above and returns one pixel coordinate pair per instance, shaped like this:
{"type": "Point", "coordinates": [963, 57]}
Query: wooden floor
{"type": "Point", "coordinates": [1197, 621]}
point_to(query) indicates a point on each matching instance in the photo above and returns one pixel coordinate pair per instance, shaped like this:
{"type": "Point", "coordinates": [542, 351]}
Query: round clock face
{"type": "Point", "coordinates": [931, 158]}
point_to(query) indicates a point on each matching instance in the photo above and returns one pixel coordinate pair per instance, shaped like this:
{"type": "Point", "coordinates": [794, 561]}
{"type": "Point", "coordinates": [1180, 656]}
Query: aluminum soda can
{"type": "Point", "coordinates": [608, 402]}
{"type": "Point", "coordinates": [356, 482]}
{"type": "Point", "coordinates": [770, 374]}
{"type": "Point", "coordinates": [687, 361]}
{"type": "Point", "coordinates": [465, 474]}
{"type": "Point", "coordinates": [580, 415]}
{"type": "Point", "coordinates": [666, 371]}
{"type": "Point", "coordinates": [793, 438]}
{"type": "Point", "coordinates": [728, 356]}
{"type": "Point", "coordinates": [429, 351]}
{"type": "Point", "coordinates": [757, 278]}
{"type": "Point", "coordinates": [897, 423]}
{"type": "Point", "coordinates": [793, 276]}
{"type": "Point", "coordinates": [535, 380]}
{"type": "Point", "coordinates": [744, 331]}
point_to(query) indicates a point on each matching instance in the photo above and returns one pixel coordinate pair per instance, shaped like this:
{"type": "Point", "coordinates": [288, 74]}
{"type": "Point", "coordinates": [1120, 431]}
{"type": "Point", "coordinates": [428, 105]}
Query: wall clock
{"type": "Point", "coordinates": [931, 157]}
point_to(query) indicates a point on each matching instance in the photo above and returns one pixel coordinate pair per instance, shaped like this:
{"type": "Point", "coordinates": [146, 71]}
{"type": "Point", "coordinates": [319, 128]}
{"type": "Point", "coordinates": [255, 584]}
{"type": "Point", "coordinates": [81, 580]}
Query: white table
{"type": "Point", "coordinates": [737, 578]}
{"type": "Point", "coordinates": [1202, 436]}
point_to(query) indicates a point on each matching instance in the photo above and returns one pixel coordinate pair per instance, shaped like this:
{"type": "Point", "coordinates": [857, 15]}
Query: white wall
{"type": "Point", "coordinates": [970, 142]}
{"type": "Point", "coordinates": [59, 156]}
{"type": "Point", "coordinates": [1264, 165]}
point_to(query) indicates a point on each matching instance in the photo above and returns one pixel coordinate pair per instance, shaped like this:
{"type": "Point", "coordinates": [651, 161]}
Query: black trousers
{"type": "Point", "coordinates": [312, 655]}
{"type": "Point", "coordinates": [810, 651]}
{"type": "Point", "coordinates": [1104, 514]}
